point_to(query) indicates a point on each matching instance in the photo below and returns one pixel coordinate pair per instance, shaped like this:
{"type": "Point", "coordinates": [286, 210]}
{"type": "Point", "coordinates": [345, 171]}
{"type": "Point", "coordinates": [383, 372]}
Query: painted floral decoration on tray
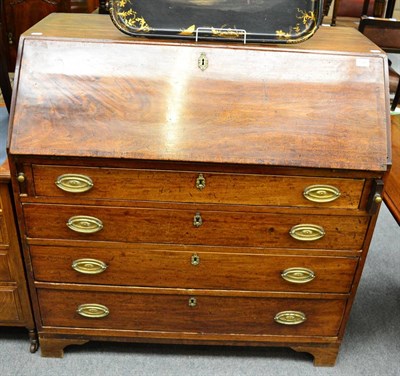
{"type": "Point", "coordinates": [308, 21]}
{"type": "Point", "coordinates": [130, 17]}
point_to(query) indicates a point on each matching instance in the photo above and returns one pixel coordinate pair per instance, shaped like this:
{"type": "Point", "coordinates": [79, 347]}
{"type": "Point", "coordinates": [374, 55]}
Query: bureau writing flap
{"type": "Point", "coordinates": [278, 21]}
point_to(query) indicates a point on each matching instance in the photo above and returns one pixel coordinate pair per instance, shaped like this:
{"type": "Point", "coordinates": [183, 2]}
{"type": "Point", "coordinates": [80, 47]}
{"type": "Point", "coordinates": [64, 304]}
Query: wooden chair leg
{"type": "Point", "coordinates": [334, 13]}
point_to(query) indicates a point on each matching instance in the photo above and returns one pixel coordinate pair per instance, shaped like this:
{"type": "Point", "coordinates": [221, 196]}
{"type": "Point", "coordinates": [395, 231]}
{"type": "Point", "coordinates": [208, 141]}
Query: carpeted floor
{"type": "Point", "coordinates": [371, 345]}
{"type": "Point", "coordinates": [11, 74]}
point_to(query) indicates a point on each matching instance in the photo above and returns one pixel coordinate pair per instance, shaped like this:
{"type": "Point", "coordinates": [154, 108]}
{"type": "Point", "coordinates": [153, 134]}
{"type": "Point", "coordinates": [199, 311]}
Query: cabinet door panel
{"type": "Point", "coordinates": [4, 270]}
{"type": "Point", "coordinates": [8, 304]}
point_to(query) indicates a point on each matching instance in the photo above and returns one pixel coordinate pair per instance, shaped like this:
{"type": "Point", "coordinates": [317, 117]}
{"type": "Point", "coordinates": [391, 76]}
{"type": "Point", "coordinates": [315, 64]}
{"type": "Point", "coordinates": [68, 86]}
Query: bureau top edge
{"type": "Point", "coordinates": [96, 27]}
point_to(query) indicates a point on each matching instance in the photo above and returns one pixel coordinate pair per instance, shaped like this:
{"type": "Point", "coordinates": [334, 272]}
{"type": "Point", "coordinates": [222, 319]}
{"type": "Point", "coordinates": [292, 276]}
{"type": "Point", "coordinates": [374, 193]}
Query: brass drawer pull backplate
{"type": "Point", "coordinates": [89, 266]}
{"type": "Point", "coordinates": [307, 232]}
{"type": "Point", "coordinates": [321, 193]}
{"type": "Point", "coordinates": [84, 224]}
{"type": "Point", "coordinates": [290, 317]}
{"type": "Point", "coordinates": [298, 275]}
{"type": "Point", "coordinates": [74, 183]}
{"type": "Point", "coordinates": [93, 311]}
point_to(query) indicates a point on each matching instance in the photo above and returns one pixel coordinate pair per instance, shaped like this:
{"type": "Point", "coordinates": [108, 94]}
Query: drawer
{"type": "Point", "coordinates": [208, 270]}
{"type": "Point", "coordinates": [4, 270]}
{"type": "Point", "coordinates": [8, 303]}
{"type": "Point", "coordinates": [196, 187]}
{"type": "Point", "coordinates": [197, 226]}
{"type": "Point", "coordinates": [181, 312]}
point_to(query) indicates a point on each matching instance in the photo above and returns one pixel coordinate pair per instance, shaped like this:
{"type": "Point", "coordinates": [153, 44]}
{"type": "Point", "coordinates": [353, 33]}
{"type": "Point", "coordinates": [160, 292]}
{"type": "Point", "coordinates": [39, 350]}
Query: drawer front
{"type": "Point", "coordinates": [219, 228]}
{"type": "Point", "coordinates": [196, 187]}
{"type": "Point", "coordinates": [208, 270]}
{"type": "Point", "coordinates": [187, 313]}
{"type": "Point", "coordinates": [8, 304]}
{"type": "Point", "coordinates": [4, 270]}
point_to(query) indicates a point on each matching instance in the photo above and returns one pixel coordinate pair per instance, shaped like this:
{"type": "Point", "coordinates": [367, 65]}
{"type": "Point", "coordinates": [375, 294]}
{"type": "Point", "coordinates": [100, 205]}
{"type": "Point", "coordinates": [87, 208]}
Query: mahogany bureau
{"type": "Point", "coordinates": [196, 193]}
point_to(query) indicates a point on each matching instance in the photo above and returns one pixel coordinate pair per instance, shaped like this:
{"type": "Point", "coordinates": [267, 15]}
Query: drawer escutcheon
{"type": "Point", "coordinates": [89, 266]}
{"type": "Point", "coordinates": [321, 193]}
{"type": "Point", "coordinates": [200, 182]}
{"type": "Point", "coordinates": [93, 311]}
{"type": "Point", "coordinates": [74, 183]}
{"type": "Point", "coordinates": [298, 275]}
{"type": "Point", "coordinates": [197, 220]}
{"type": "Point", "coordinates": [195, 259]}
{"type": "Point", "coordinates": [84, 224]}
{"type": "Point", "coordinates": [307, 232]}
{"type": "Point", "coordinates": [290, 317]}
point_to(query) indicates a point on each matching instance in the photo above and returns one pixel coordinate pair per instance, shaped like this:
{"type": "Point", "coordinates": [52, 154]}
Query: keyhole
{"type": "Point", "coordinates": [202, 61]}
{"type": "Point", "coordinates": [197, 220]}
{"type": "Point", "coordinates": [195, 260]}
{"type": "Point", "coordinates": [200, 182]}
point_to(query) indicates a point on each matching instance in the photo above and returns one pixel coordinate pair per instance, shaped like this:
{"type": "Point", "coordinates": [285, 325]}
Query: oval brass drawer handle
{"type": "Point", "coordinates": [89, 266]}
{"type": "Point", "coordinates": [321, 193]}
{"type": "Point", "coordinates": [84, 224]}
{"type": "Point", "coordinates": [93, 311]}
{"type": "Point", "coordinates": [74, 183]}
{"type": "Point", "coordinates": [307, 232]}
{"type": "Point", "coordinates": [290, 317]}
{"type": "Point", "coordinates": [298, 275]}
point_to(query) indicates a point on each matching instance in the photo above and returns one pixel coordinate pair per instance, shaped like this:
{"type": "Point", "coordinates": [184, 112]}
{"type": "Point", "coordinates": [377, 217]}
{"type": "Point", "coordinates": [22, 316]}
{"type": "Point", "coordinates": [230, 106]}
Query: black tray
{"type": "Point", "coordinates": [266, 21]}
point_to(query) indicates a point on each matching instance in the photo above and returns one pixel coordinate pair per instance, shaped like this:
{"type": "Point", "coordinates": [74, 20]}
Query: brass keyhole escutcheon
{"type": "Point", "coordinates": [195, 260]}
{"type": "Point", "coordinates": [202, 62]}
{"type": "Point", "coordinates": [197, 220]}
{"type": "Point", "coordinates": [200, 182]}
{"type": "Point", "coordinates": [192, 302]}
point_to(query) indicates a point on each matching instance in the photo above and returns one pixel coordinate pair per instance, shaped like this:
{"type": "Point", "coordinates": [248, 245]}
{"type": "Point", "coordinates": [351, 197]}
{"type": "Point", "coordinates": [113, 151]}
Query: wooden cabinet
{"type": "Point", "coordinates": [19, 15]}
{"type": "Point", "coordinates": [161, 202]}
{"type": "Point", "coordinates": [15, 305]}
{"type": "Point", "coordinates": [392, 190]}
